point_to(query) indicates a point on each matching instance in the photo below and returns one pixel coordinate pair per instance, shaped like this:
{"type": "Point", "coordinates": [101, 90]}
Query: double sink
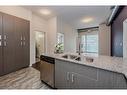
{"type": "Point", "coordinates": [77, 58]}
{"type": "Point", "coordinates": [73, 57]}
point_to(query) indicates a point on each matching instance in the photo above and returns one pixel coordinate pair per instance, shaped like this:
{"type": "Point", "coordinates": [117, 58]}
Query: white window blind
{"type": "Point", "coordinates": [89, 42]}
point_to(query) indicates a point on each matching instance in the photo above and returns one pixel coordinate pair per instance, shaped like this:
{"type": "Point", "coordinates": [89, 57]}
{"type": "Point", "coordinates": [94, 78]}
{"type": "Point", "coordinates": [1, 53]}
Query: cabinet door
{"type": "Point", "coordinates": [108, 79]}
{"type": "Point", "coordinates": [105, 79]}
{"type": "Point", "coordinates": [26, 42]}
{"type": "Point", "coordinates": [79, 81]}
{"type": "Point", "coordinates": [120, 81]}
{"type": "Point", "coordinates": [9, 43]}
{"type": "Point", "coordinates": [18, 44]}
{"type": "Point", "coordinates": [71, 75]}
{"type": "Point", "coordinates": [1, 54]}
{"type": "Point", "coordinates": [22, 43]}
{"type": "Point", "coordinates": [62, 75]}
{"type": "Point", "coordinates": [83, 76]}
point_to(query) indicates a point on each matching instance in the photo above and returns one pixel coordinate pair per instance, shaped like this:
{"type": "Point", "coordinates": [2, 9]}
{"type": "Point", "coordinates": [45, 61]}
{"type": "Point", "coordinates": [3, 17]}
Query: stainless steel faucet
{"type": "Point", "coordinates": [79, 46]}
{"type": "Point", "coordinates": [79, 52]}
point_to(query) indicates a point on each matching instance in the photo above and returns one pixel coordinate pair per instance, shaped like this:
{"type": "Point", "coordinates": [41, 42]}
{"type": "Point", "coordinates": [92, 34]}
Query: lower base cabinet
{"type": "Point", "coordinates": [69, 75]}
{"type": "Point", "coordinates": [107, 79]}
{"type": "Point", "coordinates": [62, 75]}
{"type": "Point", "coordinates": [82, 82]}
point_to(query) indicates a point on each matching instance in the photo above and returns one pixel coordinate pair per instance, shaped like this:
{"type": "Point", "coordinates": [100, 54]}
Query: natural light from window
{"type": "Point", "coordinates": [89, 41]}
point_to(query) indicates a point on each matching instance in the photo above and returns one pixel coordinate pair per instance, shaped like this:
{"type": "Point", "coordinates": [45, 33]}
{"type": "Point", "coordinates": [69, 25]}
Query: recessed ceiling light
{"type": "Point", "coordinates": [45, 12]}
{"type": "Point", "coordinates": [87, 20]}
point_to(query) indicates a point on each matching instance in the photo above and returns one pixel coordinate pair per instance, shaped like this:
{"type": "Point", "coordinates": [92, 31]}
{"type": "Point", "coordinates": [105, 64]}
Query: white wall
{"type": "Point", "coordinates": [70, 38]}
{"type": "Point", "coordinates": [70, 35]}
{"type": "Point", "coordinates": [36, 23]}
{"type": "Point", "coordinates": [51, 36]}
{"type": "Point", "coordinates": [104, 39]}
{"type": "Point", "coordinates": [125, 39]}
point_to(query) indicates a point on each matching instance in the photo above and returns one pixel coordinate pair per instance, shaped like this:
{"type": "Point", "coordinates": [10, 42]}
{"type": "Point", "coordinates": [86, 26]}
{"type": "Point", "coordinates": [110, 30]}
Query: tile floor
{"type": "Point", "coordinates": [27, 78]}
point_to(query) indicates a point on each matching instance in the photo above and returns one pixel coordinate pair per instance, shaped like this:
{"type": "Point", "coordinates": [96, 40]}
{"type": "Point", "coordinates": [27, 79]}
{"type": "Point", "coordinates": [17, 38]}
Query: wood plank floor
{"type": "Point", "coordinates": [27, 78]}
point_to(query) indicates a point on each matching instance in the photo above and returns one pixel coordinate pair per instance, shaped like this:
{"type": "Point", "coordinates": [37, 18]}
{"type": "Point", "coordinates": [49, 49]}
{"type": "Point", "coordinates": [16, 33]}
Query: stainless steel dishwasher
{"type": "Point", "coordinates": [47, 68]}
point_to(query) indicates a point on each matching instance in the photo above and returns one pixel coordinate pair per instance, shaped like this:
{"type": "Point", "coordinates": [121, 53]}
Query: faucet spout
{"type": "Point", "coordinates": [79, 52]}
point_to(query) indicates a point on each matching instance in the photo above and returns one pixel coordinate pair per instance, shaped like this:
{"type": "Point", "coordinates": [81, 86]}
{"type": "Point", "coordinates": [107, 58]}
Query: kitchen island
{"type": "Point", "coordinates": [102, 72]}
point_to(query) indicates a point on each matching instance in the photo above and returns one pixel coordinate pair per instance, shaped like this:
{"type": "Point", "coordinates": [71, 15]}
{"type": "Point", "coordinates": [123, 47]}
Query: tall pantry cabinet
{"type": "Point", "coordinates": [14, 43]}
{"type": "Point", "coordinates": [1, 48]}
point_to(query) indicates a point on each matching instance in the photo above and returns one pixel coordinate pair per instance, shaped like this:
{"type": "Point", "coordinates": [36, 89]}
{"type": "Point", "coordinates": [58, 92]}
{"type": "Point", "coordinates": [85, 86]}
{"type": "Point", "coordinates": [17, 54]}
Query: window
{"type": "Point", "coordinates": [92, 43]}
{"type": "Point", "coordinates": [60, 38]}
{"type": "Point", "coordinates": [89, 43]}
{"type": "Point", "coordinates": [59, 48]}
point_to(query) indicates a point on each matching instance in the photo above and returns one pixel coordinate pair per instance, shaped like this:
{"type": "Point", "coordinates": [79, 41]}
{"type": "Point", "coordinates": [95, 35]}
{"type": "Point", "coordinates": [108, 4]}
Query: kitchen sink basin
{"type": "Point", "coordinates": [77, 58]}
{"type": "Point", "coordinates": [69, 56]}
{"type": "Point", "coordinates": [88, 59]}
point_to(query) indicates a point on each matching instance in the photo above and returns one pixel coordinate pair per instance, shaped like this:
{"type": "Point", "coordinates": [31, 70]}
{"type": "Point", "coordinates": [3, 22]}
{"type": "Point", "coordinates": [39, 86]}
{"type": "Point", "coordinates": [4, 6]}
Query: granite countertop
{"type": "Point", "coordinates": [115, 64]}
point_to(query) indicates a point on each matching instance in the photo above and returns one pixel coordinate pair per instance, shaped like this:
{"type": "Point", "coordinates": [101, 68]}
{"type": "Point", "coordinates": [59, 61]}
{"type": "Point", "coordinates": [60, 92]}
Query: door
{"type": "Point", "coordinates": [9, 43]}
{"type": "Point", "coordinates": [1, 54]}
{"type": "Point", "coordinates": [108, 79]}
{"type": "Point", "coordinates": [18, 44]}
{"type": "Point", "coordinates": [105, 79]}
{"type": "Point", "coordinates": [22, 43]}
{"type": "Point", "coordinates": [79, 81]}
{"type": "Point", "coordinates": [125, 39]}
{"type": "Point", "coordinates": [26, 42]}
{"type": "Point", "coordinates": [120, 81]}
{"type": "Point", "coordinates": [40, 43]}
{"type": "Point", "coordinates": [62, 75]}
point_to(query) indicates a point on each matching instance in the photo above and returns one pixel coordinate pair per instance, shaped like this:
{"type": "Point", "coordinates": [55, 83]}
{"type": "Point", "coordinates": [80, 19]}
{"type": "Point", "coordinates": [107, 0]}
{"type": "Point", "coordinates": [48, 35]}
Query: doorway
{"type": "Point", "coordinates": [40, 43]}
{"type": "Point", "coordinates": [124, 39]}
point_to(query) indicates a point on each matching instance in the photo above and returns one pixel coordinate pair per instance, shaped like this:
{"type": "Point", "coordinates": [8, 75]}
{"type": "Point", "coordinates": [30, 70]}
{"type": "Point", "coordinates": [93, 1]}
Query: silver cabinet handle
{"type": "Point", "coordinates": [5, 37]}
{"type": "Point", "coordinates": [0, 37]}
{"type": "Point", "coordinates": [72, 80]}
{"type": "Point", "coordinates": [5, 43]}
{"type": "Point", "coordinates": [68, 76]}
{"type": "Point", "coordinates": [21, 43]}
{"type": "Point", "coordinates": [0, 43]}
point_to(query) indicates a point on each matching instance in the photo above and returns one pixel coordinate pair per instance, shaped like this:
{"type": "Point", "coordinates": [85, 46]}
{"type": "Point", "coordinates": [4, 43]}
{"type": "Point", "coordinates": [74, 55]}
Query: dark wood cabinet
{"type": "Point", "coordinates": [22, 43]}
{"type": "Point", "coordinates": [14, 49]}
{"type": "Point", "coordinates": [26, 40]}
{"type": "Point", "coordinates": [1, 54]}
{"type": "Point", "coordinates": [8, 43]}
{"type": "Point", "coordinates": [62, 75]}
{"type": "Point", "coordinates": [19, 44]}
{"type": "Point", "coordinates": [76, 76]}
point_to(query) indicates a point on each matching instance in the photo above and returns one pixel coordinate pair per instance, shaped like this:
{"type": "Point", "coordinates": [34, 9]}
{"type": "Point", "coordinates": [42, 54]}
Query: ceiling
{"type": "Point", "coordinates": [74, 14]}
